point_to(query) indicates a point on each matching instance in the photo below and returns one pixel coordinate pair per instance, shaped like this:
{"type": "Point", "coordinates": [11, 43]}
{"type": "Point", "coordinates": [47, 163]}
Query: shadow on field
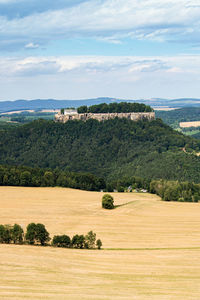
{"type": "Point", "coordinates": [120, 205]}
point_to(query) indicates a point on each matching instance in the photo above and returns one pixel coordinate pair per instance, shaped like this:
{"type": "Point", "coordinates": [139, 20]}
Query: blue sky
{"type": "Point", "coordinates": [79, 49]}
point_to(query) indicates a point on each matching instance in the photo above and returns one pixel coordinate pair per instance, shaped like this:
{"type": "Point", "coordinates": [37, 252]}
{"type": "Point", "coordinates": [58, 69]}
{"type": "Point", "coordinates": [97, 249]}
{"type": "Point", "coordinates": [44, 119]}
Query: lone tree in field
{"type": "Point", "coordinates": [107, 201]}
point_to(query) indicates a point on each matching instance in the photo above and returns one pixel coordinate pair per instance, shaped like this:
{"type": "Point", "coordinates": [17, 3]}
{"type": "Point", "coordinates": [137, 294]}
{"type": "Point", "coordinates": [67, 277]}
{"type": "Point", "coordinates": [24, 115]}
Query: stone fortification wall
{"type": "Point", "coordinates": [104, 116]}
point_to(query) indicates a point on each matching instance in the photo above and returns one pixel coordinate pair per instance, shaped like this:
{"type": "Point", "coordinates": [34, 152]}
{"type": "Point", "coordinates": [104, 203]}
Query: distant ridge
{"type": "Point", "coordinates": [38, 104]}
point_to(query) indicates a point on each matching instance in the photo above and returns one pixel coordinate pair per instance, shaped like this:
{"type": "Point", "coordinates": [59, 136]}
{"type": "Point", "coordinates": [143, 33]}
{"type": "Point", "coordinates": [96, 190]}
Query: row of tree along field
{"type": "Point", "coordinates": [37, 234]}
{"type": "Point", "coordinates": [122, 107]}
{"type": "Point", "coordinates": [26, 176]}
{"type": "Point", "coordinates": [167, 190]}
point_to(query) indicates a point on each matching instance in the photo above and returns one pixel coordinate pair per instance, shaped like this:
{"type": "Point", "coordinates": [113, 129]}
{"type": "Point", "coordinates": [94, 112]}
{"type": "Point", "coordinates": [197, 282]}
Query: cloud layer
{"type": "Point", "coordinates": [92, 76]}
{"type": "Point", "coordinates": [39, 22]}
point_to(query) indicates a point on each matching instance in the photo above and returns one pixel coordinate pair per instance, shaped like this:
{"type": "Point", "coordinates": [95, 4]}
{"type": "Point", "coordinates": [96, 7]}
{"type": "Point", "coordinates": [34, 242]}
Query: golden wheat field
{"type": "Point", "coordinates": [189, 124]}
{"type": "Point", "coordinates": [151, 249]}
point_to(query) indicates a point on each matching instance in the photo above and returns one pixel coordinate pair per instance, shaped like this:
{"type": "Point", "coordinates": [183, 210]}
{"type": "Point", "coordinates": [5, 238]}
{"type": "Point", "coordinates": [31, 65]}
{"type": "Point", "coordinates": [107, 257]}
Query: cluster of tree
{"type": "Point", "coordinates": [87, 241]}
{"type": "Point", "coordinates": [176, 191]}
{"type": "Point", "coordinates": [110, 149]}
{"type": "Point", "coordinates": [37, 234]}
{"type": "Point", "coordinates": [122, 107]}
{"type": "Point", "coordinates": [107, 201]}
{"type": "Point", "coordinates": [27, 176]}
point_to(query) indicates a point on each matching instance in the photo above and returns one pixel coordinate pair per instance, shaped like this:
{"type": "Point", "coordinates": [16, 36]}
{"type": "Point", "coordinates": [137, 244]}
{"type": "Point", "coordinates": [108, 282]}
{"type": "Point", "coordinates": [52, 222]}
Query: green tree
{"type": "Point", "coordinates": [49, 178]}
{"type": "Point", "coordinates": [61, 241]}
{"type": "Point", "coordinates": [31, 233]}
{"type": "Point", "coordinates": [78, 241]}
{"type": "Point", "coordinates": [2, 232]}
{"type": "Point", "coordinates": [17, 234]}
{"type": "Point", "coordinates": [99, 244]}
{"type": "Point", "coordinates": [25, 178]}
{"type": "Point", "coordinates": [90, 239]}
{"type": "Point", "coordinates": [37, 233]}
{"type": "Point", "coordinates": [107, 201]}
{"type": "Point", "coordinates": [42, 235]}
{"type": "Point", "coordinates": [7, 234]}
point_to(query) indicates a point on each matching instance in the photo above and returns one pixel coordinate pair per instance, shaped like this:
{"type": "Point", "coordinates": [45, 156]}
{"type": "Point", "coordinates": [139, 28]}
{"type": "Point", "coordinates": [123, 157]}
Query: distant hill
{"type": "Point", "coordinates": [174, 117]}
{"type": "Point", "coordinates": [110, 149]}
{"type": "Point", "coordinates": [38, 104]}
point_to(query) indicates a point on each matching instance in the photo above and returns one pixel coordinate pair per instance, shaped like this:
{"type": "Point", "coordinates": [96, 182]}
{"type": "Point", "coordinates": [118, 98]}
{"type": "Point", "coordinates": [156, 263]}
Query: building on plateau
{"type": "Point", "coordinates": [72, 114]}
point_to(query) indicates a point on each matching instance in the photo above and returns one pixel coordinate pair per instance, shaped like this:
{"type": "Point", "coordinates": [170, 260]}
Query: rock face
{"type": "Point", "coordinates": [63, 118]}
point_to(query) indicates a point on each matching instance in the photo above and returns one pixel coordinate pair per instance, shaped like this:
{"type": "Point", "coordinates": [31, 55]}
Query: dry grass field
{"type": "Point", "coordinates": [189, 124]}
{"type": "Point", "coordinates": [151, 248]}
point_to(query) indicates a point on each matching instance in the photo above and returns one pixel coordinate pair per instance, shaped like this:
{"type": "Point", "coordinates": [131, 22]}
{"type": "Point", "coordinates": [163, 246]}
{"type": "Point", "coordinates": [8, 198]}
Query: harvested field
{"type": "Point", "coordinates": [189, 124]}
{"type": "Point", "coordinates": [155, 247]}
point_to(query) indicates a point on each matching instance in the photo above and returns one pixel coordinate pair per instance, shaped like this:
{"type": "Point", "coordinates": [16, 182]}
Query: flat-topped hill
{"type": "Point", "coordinates": [102, 112]}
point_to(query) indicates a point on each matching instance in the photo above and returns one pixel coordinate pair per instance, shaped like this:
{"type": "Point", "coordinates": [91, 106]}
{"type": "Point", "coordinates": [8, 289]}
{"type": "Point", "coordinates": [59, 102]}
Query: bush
{"type": "Point", "coordinates": [107, 201]}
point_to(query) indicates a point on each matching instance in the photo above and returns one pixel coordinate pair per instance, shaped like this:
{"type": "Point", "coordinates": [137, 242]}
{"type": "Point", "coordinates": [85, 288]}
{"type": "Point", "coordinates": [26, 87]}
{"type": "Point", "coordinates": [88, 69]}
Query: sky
{"type": "Point", "coordinates": [78, 49]}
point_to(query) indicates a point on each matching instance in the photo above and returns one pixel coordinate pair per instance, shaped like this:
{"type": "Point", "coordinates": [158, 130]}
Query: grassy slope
{"type": "Point", "coordinates": [146, 222]}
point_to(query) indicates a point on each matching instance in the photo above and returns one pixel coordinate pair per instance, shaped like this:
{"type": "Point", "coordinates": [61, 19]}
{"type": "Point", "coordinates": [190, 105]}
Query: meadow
{"type": "Point", "coordinates": [151, 248]}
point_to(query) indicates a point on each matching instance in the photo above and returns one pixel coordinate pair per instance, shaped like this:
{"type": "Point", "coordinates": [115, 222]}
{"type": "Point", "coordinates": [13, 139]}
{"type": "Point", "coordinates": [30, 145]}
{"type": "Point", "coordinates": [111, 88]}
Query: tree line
{"type": "Point", "coordinates": [27, 176]}
{"type": "Point", "coordinates": [37, 234]}
{"type": "Point", "coordinates": [168, 190]}
{"type": "Point", "coordinates": [175, 191]}
{"type": "Point", "coordinates": [122, 107]}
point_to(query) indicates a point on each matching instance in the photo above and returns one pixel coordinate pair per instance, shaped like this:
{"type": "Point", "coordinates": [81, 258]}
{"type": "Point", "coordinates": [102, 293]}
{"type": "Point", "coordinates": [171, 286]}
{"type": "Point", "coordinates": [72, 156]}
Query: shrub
{"type": "Point", "coordinates": [107, 201]}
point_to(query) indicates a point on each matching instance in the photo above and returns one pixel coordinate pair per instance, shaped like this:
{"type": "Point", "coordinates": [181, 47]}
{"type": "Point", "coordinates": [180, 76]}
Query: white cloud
{"type": "Point", "coordinates": [70, 77]}
{"type": "Point", "coordinates": [31, 46]}
{"type": "Point", "coordinates": [11, 67]}
{"type": "Point", "coordinates": [148, 19]}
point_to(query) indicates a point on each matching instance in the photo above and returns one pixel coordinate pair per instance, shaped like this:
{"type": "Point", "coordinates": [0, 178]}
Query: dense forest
{"type": "Point", "coordinates": [122, 107]}
{"type": "Point", "coordinates": [110, 149]}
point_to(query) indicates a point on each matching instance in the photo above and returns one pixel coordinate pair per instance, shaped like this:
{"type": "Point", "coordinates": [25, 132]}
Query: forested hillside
{"type": "Point", "coordinates": [174, 117]}
{"type": "Point", "coordinates": [109, 149]}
